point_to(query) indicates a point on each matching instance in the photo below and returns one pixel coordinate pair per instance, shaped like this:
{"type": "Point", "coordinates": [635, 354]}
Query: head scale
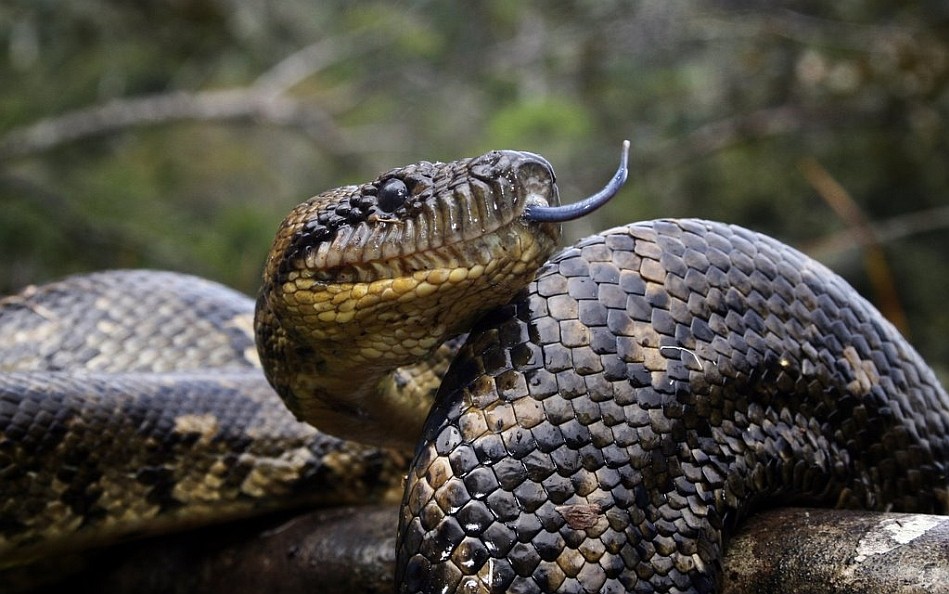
{"type": "Point", "coordinates": [363, 279]}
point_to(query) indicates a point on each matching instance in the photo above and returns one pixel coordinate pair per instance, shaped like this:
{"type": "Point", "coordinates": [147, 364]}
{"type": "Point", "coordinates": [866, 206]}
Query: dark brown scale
{"type": "Point", "coordinates": [658, 382]}
{"type": "Point", "coordinates": [331, 216]}
{"type": "Point", "coordinates": [140, 405]}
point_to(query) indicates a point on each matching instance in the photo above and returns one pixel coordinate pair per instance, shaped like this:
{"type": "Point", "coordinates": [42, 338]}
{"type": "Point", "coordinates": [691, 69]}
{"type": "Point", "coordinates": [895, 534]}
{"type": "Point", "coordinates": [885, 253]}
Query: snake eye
{"type": "Point", "coordinates": [392, 195]}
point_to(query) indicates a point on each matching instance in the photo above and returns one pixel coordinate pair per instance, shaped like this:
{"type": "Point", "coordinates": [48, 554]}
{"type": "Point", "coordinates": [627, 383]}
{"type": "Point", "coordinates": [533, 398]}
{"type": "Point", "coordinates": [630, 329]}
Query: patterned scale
{"type": "Point", "coordinates": [605, 431]}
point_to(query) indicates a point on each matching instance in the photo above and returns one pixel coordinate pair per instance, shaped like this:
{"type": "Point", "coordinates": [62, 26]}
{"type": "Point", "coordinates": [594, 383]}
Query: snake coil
{"type": "Point", "coordinates": [614, 411]}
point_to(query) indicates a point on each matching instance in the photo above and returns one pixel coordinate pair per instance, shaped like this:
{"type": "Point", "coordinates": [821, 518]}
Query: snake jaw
{"type": "Point", "coordinates": [440, 205]}
{"type": "Point", "coordinates": [364, 279]}
{"type": "Point", "coordinates": [336, 343]}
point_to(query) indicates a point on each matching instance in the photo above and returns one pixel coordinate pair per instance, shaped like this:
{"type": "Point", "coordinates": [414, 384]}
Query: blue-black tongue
{"type": "Point", "coordinates": [569, 212]}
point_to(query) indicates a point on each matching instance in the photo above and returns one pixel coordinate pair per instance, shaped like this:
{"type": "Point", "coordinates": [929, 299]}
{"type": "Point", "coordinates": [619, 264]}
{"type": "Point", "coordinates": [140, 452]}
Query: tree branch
{"type": "Point", "coordinates": [886, 231]}
{"type": "Point", "coordinates": [308, 61]}
{"type": "Point", "coordinates": [727, 132]}
{"type": "Point", "coordinates": [121, 114]}
{"type": "Point", "coordinates": [874, 259]}
{"type": "Point", "coordinates": [353, 550]}
{"type": "Point", "coordinates": [263, 101]}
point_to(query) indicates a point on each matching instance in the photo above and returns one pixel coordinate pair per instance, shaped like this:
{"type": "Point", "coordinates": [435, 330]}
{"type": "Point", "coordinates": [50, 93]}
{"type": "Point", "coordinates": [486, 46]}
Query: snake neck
{"type": "Point", "coordinates": [331, 349]}
{"type": "Point", "coordinates": [373, 400]}
{"type": "Point", "coordinates": [348, 385]}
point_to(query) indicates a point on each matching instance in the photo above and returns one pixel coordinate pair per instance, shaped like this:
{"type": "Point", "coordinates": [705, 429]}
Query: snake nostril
{"type": "Point", "coordinates": [535, 181]}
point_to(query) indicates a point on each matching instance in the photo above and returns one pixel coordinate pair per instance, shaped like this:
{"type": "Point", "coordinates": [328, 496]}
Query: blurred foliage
{"type": "Point", "coordinates": [177, 133]}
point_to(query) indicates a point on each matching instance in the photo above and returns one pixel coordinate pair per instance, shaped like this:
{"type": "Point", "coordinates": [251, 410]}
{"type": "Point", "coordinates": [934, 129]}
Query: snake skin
{"type": "Point", "coordinates": [657, 382]}
{"type": "Point", "coordinates": [602, 433]}
{"type": "Point", "coordinates": [132, 402]}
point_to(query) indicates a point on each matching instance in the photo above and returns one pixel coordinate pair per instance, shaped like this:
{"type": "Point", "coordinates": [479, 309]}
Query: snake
{"type": "Point", "coordinates": [594, 419]}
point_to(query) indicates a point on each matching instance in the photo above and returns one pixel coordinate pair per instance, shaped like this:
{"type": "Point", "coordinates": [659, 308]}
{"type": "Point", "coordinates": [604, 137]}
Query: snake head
{"type": "Point", "coordinates": [416, 217]}
{"type": "Point", "coordinates": [366, 278]}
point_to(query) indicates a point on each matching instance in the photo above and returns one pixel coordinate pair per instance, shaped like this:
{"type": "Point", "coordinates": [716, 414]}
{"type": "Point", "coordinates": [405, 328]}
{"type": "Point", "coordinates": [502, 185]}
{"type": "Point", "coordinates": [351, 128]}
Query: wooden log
{"type": "Point", "coordinates": [352, 550]}
{"type": "Point", "coordinates": [835, 551]}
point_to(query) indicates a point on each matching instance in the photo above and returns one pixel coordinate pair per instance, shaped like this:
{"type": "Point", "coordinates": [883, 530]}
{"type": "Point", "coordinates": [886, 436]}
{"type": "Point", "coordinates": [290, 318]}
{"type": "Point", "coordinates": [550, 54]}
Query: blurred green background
{"type": "Point", "coordinates": [176, 134]}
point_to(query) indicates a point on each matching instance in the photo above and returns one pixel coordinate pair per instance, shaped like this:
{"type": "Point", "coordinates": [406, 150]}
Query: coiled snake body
{"type": "Point", "coordinates": [604, 426]}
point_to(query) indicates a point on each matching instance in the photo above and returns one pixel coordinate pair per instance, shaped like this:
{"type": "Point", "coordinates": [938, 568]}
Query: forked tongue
{"type": "Point", "coordinates": [569, 212]}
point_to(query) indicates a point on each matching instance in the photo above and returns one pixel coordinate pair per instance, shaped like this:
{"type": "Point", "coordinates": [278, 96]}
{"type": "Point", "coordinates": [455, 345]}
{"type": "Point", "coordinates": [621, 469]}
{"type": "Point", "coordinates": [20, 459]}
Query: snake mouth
{"type": "Point", "coordinates": [363, 279]}
{"type": "Point", "coordinates": [421, 217]}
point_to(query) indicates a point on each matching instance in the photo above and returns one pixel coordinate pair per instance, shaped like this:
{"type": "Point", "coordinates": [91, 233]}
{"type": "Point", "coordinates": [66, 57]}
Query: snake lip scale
{"type": "Point", "coordinates": [595, 420]}
{"type": "Point", "coordinates": [364, 279]}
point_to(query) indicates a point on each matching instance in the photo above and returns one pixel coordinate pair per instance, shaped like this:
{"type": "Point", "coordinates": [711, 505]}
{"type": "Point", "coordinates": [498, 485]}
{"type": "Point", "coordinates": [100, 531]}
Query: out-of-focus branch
{"type": "Point", "coordinates": [896, 228]}
{"type": "Point", "coordinates": [811, 30]}
{"type": "Point", "coordinates": [264, 101]}
{"type": "Point", "coordinates": [847, 209]}
{"type": "Point", "coordinates": [724, 133]}
{"type": "Point", "coordinates": [120, 114]}
{"type": "Point", "coordinates": [720, 134]}
{"type": "Point", "coordinates": [308, 61]}
{"type": "Point", "coordinates": [801, 28]}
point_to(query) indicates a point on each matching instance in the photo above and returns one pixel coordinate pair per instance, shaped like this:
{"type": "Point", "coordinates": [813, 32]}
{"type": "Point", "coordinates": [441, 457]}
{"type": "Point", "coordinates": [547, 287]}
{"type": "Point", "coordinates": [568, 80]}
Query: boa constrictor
{"type": "Point", "coordinates": [614, 411]}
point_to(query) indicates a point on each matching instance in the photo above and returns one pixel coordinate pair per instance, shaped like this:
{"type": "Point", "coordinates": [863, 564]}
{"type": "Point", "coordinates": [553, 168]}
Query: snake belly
{"type": "Point", "coordinates": [606, 430]}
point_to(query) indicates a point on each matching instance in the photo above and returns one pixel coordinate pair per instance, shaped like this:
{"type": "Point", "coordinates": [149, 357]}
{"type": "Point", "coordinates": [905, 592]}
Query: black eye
{"type": "Point", "coordinates": [392, 195]}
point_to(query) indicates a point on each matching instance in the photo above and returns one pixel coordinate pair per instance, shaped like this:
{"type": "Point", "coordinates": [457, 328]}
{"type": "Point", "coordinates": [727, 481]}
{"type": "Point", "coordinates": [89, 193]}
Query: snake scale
{"type": "Point", "coordinates": [615, 410]}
